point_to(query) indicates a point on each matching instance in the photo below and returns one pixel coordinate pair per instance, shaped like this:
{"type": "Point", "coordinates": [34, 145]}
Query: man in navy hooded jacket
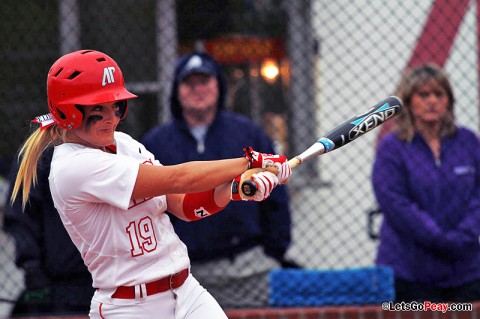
{"type": "Point", "coordinates": [233, 251]}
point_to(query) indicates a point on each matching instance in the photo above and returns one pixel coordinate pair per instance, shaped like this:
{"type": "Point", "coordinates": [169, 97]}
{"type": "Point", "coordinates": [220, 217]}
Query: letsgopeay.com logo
{"type": "Point", "coordinates": [426, 306]}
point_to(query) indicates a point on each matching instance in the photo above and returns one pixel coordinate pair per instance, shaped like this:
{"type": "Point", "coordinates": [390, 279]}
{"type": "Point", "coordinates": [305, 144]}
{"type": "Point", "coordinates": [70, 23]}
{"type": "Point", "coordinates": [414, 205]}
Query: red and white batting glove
{"type": "Point", "coordinates": [263, 160]}
{"type": "Point", "coordinates": [263, 184]}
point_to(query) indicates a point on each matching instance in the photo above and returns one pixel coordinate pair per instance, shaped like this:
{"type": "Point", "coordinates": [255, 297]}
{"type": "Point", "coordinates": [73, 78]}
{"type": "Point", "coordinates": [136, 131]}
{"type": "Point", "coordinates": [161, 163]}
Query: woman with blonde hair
{"type": "Point", "coordinates": [426, 179]}
{"type": "Point", "coordinates": [112, 194]}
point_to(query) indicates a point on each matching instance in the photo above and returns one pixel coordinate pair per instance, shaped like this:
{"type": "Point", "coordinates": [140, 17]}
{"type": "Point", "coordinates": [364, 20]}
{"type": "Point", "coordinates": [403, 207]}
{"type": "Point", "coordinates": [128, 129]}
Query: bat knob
{"type": "Point", "coordinates": [249, 188]}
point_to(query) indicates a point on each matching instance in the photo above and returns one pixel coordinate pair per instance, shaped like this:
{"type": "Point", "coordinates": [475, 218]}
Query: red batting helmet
{"type": "Point", "coordinates": [83, 77]}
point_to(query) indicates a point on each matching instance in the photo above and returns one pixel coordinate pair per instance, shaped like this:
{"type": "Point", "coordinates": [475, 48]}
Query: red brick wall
{"type": "Point", "coordinates": [366, 312]}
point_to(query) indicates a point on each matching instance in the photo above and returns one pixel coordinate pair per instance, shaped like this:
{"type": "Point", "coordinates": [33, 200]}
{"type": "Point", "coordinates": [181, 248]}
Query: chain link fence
{"type": "Point", "coordinates": [335, 59]}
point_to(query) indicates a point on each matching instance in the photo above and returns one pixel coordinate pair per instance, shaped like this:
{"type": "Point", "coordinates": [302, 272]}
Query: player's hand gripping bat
{"type": "Point", "coordinates": [342, 134]}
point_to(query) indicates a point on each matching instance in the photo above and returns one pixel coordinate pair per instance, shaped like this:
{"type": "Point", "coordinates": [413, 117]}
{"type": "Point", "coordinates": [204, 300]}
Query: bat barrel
{"type": "Point", "coordinates": [363, 123]}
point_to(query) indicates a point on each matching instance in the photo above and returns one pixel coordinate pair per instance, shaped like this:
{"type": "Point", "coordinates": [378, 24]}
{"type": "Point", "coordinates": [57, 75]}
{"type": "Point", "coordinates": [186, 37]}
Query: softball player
{"type": "Point", "coordinates": [112, 194]}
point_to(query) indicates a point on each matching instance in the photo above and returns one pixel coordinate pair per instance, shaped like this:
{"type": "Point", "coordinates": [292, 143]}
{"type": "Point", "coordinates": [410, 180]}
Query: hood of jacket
{"type": "Point", "coordinates": [180, 65]}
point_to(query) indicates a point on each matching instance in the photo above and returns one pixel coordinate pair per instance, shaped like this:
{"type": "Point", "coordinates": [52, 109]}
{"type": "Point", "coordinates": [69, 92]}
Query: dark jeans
{"type": "Point", "coordinates": [412, 291]}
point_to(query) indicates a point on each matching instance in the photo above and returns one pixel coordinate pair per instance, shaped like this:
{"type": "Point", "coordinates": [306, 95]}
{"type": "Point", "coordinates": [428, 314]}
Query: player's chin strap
{"type": "Point", "coordinates": [44, 121]}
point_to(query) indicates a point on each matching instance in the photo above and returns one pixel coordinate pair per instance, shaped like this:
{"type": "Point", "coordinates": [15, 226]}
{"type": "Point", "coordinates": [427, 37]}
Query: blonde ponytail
{"type": "Point", "coordinates": [29, 155]}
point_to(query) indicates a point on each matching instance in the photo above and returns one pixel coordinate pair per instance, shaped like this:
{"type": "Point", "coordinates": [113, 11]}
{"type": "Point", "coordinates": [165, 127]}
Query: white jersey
{"type": "Point", "coordinates": [122, 242]}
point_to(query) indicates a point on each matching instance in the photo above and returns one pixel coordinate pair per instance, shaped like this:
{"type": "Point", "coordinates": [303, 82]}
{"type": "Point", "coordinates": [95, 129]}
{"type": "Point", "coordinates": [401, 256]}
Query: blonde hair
{"type": "Point", "coordinates": [29, 155]}
{"type": "Point", "coordinates": [410, 84]}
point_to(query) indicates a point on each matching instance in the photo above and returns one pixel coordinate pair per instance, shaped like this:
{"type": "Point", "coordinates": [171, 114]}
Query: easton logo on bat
{"type": "Point", "coordinates": [371, 121]}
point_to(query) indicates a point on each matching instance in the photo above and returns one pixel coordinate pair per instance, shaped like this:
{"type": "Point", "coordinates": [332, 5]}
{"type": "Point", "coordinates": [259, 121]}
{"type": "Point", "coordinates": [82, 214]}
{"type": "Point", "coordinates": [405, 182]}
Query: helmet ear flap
{"type": "Point", "coordinates": [71, 118]}
{"type": "Point", "coordinates": [60, 113]}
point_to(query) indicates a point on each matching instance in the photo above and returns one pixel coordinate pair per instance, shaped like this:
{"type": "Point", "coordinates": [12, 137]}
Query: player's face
{"type": "Point", "coordinates": [429, 104]}
{"type": "Point", "coordinates": [98, 126]}
{"type": "Point", "coordinates": [198, 93]}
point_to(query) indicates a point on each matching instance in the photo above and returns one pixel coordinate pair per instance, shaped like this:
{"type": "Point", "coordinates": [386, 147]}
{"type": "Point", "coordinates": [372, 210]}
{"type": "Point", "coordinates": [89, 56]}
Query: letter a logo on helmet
{"type": "Point", "coordinates": [108, 75]}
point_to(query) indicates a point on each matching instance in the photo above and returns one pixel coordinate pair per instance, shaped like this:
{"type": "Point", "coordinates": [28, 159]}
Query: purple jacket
{"type": "Point", "coordinates": [431, 227]}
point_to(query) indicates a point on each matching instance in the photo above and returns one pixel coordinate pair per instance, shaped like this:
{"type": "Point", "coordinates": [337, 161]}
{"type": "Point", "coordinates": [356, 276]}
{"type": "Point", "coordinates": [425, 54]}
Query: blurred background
{"type": "Point", "coordinates": [298, 68]}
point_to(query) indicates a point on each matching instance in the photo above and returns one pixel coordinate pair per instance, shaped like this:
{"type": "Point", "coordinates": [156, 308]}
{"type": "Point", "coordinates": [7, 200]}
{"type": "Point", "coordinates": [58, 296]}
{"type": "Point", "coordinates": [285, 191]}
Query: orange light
{"type": "Point", "coordinates": [269, 70]}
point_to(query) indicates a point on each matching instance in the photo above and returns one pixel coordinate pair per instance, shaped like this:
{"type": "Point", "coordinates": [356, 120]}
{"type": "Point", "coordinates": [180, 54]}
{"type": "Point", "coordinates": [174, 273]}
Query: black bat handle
{"type": "Point", "coordinates": [249, 188]}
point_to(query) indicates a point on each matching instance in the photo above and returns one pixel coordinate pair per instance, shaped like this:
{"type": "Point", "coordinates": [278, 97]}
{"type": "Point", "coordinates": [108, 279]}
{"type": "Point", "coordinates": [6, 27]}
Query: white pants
{"type": "Point", "coordinates": [190, 301]}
